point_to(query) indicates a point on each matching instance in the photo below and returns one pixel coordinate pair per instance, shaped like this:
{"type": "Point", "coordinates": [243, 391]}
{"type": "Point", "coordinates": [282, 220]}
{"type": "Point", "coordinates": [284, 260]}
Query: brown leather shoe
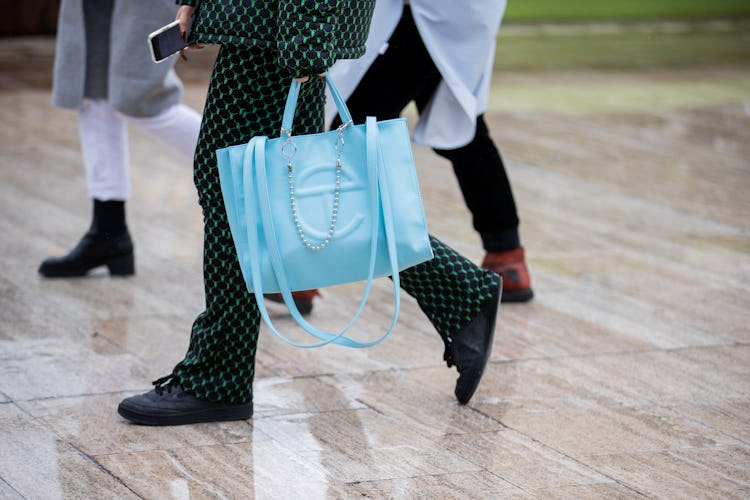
{"type": "Point", "coordinates": [302, 299]}
{"type": "Point", "coordinates": [511, 265]}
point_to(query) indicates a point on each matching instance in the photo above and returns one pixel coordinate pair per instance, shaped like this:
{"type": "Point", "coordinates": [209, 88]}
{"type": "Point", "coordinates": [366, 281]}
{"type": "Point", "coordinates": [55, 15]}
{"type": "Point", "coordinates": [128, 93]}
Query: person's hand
{"type": "Point", "coordinates": [184, 15]}
{"type": "Point", "coordinates": [303, 79]}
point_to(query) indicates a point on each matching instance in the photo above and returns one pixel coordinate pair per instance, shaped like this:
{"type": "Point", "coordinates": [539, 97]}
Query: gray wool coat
{"type": "Point", "coordinates": [136, 85]}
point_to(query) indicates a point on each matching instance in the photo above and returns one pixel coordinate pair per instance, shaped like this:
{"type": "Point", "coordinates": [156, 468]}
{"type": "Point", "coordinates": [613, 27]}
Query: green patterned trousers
{"type": "Point", "coordinates": [246, 97]}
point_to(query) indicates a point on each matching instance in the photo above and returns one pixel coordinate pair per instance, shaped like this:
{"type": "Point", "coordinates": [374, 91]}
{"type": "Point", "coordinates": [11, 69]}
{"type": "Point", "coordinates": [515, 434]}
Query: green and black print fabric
{"type": "Point", "coordinates": [246, 97]}
{"type": "Point", "coordinates": [308, 35]}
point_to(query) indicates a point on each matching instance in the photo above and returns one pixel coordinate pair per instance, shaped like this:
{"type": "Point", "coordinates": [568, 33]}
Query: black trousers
{"type": "Point", "coordinates": [405, 73]}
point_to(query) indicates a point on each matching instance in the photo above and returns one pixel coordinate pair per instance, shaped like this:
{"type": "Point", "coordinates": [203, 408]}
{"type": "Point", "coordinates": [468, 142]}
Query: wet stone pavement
{"type": "Point", "coordinates": [628, 376]}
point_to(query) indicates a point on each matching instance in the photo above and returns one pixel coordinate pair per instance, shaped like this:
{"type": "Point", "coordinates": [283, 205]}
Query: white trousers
{"type": "Point", "coordinates": [104, 142]}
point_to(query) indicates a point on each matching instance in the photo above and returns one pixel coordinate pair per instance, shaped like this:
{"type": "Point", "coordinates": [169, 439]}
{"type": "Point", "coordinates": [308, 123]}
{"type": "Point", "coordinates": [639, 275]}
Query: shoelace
{"type": "Point", "coordinates": [164, 383]}
{"type": "Point", "coordinates": [448, 354]}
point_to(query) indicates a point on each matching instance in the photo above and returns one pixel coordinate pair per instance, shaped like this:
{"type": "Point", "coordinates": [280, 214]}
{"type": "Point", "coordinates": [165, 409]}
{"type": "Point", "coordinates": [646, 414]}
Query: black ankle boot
{"type": "Point", "coordinates": [107, 243]}
{"type": "Point", "coordinates": [91, 252]}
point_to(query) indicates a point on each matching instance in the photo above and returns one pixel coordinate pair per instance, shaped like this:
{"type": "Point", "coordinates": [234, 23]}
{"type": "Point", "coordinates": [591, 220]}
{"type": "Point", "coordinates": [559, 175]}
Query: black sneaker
{"type": "Point", "coordinates": [168, 404]}
{"type": "Point", "coordinates": [470, 348]}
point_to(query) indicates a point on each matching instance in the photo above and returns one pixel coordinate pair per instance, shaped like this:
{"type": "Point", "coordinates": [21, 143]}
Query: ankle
{"type": "Point", "coordinates": [108, 220]}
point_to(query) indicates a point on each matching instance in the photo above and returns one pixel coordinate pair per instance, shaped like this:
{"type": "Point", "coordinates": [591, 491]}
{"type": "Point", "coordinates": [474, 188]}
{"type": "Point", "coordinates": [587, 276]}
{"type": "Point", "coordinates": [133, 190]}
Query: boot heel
{"type": "Point", "coordinates": [122, 266]}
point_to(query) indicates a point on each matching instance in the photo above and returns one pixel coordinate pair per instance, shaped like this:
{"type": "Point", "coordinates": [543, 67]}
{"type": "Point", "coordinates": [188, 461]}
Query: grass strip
{"type": "Point", "coordinates": [623, 46]}
{"type": "Point", "coordinates": [618, 10]}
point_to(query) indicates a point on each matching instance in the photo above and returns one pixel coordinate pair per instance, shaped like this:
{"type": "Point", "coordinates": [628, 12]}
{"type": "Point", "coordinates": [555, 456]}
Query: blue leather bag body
{"type": "Point", "coordinates": [310, 211]}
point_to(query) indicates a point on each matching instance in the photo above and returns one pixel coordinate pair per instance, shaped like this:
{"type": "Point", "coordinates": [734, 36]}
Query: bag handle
{"type": "Point", "coordinates": [378, 193]}
{"type": "Point", "coordinates": [291, 105]}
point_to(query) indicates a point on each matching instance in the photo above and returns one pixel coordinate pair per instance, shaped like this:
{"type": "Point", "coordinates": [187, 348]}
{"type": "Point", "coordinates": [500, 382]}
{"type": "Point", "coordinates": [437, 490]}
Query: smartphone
{"type": "Point", "coordinates": [166, 41]}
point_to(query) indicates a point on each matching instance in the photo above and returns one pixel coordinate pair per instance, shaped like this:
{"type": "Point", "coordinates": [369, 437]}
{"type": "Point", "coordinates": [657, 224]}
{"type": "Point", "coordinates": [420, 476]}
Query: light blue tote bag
{"type": "Point", "coordinates": [310, 211]}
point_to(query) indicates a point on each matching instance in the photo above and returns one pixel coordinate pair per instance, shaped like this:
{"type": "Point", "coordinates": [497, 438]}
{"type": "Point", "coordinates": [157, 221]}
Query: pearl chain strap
{"type": "Point", "coordinates": [288, 150]}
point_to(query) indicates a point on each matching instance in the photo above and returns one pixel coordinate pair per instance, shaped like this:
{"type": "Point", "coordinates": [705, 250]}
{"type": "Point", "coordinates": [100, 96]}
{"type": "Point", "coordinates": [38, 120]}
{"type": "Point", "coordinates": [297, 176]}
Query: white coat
{"type": "Point", "coordinates": [460, 37]}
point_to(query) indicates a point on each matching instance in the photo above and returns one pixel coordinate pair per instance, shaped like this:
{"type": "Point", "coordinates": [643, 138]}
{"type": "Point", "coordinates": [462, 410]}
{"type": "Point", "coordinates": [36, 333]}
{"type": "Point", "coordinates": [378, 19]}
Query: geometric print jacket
{"type": "Point", "coordinates": [308, 35]}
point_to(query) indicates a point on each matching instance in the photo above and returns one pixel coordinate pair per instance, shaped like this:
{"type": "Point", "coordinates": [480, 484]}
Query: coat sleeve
{"type": "Point", "coordinates": [305, 40]}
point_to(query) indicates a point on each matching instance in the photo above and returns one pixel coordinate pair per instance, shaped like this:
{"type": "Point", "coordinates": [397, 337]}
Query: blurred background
{"type": "Point", "coordinates": [551, 34]}
{"type": "Point", "coordinates": [30, 17]}
{"type": "Point", "coordinates": [625, 126]}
